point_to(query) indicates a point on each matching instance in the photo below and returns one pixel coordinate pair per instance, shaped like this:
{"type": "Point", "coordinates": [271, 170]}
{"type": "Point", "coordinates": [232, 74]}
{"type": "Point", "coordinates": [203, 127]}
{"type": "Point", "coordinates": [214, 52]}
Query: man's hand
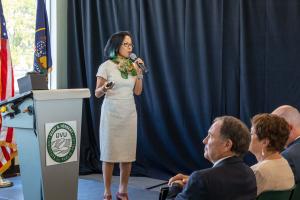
{"type": "Point", "coordinates": [180, 179]}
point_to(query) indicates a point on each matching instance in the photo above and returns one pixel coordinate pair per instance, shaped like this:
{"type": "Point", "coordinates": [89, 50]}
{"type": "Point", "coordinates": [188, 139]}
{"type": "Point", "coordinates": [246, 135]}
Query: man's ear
{"type": "Point", "coordinates": [292, 131]}
{"type": "Point", "coordinates": [228, 144]}
{"type": "Point", "coordinates": [291, 127]}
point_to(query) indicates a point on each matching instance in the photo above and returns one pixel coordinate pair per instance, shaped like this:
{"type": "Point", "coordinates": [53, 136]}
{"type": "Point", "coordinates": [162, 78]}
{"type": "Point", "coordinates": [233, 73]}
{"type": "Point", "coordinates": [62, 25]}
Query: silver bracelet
{"type": "Point", "coordinates": [140, 76]}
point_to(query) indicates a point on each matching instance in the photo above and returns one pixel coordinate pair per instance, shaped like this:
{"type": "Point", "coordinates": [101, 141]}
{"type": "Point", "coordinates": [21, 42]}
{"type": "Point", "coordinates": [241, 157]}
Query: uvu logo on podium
{"type": "Point", "coordinates": [61, 141]}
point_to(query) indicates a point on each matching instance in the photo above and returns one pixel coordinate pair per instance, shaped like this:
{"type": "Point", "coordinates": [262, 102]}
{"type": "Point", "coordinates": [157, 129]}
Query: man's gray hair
{"type": "Point", "coordinates": [235, 130]}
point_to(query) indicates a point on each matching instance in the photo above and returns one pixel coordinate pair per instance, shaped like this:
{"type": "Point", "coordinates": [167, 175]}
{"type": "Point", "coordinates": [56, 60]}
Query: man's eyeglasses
{"type": "Point", "coordinates": [125, 44]}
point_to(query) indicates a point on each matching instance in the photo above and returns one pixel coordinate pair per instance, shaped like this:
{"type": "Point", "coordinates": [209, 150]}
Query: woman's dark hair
{"type": "Point", "coordinates": [272, 127]}
{"type": "Point", "coordinates": [114, 43]}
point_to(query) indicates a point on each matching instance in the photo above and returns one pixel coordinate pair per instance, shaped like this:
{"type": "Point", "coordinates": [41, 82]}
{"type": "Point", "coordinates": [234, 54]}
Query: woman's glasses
{"type": "Point", "coordinates": [125, 44]}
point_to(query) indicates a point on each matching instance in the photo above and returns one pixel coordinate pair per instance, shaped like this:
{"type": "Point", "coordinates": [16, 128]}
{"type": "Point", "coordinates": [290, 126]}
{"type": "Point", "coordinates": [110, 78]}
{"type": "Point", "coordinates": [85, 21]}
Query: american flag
{"type": "Point", "coordinates": [7, 144]}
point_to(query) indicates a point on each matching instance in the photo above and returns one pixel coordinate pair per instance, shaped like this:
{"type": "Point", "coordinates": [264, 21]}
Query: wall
{"type": "Point", "coordinates": [57, 13]}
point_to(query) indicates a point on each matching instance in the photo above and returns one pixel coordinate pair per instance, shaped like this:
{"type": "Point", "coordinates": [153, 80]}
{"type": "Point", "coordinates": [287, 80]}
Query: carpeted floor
{"type": "Point", "coordinates": [91, 188]}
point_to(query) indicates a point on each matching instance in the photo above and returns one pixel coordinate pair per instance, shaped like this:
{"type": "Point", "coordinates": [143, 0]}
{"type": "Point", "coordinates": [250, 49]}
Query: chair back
{"type": "Point", "coordinates": [296, 193]}
{"type": "Point", "coordinates": [275, 195]}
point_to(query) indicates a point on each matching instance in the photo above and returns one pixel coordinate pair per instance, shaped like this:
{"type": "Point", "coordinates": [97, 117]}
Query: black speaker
{"type": "Point", "coordinates": [33, 81]}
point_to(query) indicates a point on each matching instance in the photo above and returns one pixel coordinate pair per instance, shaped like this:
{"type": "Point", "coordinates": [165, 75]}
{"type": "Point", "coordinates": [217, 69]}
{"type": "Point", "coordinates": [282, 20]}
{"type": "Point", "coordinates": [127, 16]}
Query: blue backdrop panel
{"type": "Point", "coordinates": [206, 57]}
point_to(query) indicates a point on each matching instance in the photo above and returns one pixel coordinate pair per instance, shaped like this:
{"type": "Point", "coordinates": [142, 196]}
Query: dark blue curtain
{"type": "Point", "coordinates": [207, 58]}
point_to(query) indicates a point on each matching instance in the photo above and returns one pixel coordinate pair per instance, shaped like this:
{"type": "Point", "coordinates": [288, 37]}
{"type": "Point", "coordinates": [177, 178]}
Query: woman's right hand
{"type": "Point", "coordinates": [101, 87]}
{"type": "Point", "coordinates": [107, 86]}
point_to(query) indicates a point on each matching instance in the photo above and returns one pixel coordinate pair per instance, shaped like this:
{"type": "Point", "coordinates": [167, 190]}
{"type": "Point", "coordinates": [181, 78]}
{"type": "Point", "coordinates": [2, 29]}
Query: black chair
{"type": "Point", "coordinates": [296, 193]}
{"type": "Point", "coordinates": [276, 195]}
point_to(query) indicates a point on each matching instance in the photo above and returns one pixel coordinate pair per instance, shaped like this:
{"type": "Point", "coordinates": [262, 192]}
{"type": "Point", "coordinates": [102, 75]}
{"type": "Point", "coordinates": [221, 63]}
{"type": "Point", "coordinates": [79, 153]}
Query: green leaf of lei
{"type": "Point", "coordinates": [124, 75]}
{"type": "Point", "coordinates": [126, 67]}
{"type": "Point", "coordinates": [133, 72]}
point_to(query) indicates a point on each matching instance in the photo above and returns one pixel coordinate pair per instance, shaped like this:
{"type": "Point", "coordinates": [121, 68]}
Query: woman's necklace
{"type": "Point", "coordinates": [125, 66]}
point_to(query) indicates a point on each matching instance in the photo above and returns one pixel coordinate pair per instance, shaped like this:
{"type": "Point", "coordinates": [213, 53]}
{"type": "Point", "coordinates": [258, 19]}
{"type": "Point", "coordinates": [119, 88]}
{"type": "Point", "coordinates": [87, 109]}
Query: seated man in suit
{"type": "Point", "coordinates": [230, 178]}
{"type": "Point", "coordinates": [292, 151]}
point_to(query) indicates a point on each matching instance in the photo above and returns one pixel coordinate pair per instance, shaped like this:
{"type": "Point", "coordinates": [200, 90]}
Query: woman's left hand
{"type": "Point", "coordinates": [137, 68]}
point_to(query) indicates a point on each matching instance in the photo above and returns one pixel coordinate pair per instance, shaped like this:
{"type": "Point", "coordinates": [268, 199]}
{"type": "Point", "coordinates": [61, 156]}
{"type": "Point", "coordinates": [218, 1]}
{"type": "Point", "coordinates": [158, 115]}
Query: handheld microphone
{"type": "Point", "coordinates": [133, 58]}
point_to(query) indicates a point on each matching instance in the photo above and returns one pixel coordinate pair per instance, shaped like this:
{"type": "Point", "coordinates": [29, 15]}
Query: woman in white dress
{"type": "Point", "coordinates": [118, 78]}
{"type": "Point", "coordinates": [269, 134]}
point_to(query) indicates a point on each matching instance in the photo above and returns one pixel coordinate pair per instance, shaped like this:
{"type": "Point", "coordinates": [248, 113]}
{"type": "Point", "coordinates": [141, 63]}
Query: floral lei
{"type": "Point", "coordinates": [125, 66]}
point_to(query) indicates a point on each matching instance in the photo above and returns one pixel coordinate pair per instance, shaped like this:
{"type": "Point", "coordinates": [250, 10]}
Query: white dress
{"type": "Point", "coordinates": [118, 121]}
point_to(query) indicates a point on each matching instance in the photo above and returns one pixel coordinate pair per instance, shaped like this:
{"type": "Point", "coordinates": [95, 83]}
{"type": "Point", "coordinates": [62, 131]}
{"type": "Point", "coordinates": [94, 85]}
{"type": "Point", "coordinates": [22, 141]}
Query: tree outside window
{"type": "Point", "coordinates": [20, 24]}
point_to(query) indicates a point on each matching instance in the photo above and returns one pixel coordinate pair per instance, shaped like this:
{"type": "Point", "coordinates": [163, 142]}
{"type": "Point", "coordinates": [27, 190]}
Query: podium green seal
{"type": "Point", "coordinates": [61, 142]}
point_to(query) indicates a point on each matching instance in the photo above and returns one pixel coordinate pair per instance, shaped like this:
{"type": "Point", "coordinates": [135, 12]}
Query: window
{"type": "Point", "coordinates": [20, 24]}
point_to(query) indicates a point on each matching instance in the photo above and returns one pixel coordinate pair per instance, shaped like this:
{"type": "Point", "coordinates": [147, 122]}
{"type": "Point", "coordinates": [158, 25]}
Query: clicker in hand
{"type": "Point", "coordinates": [110, 85]}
